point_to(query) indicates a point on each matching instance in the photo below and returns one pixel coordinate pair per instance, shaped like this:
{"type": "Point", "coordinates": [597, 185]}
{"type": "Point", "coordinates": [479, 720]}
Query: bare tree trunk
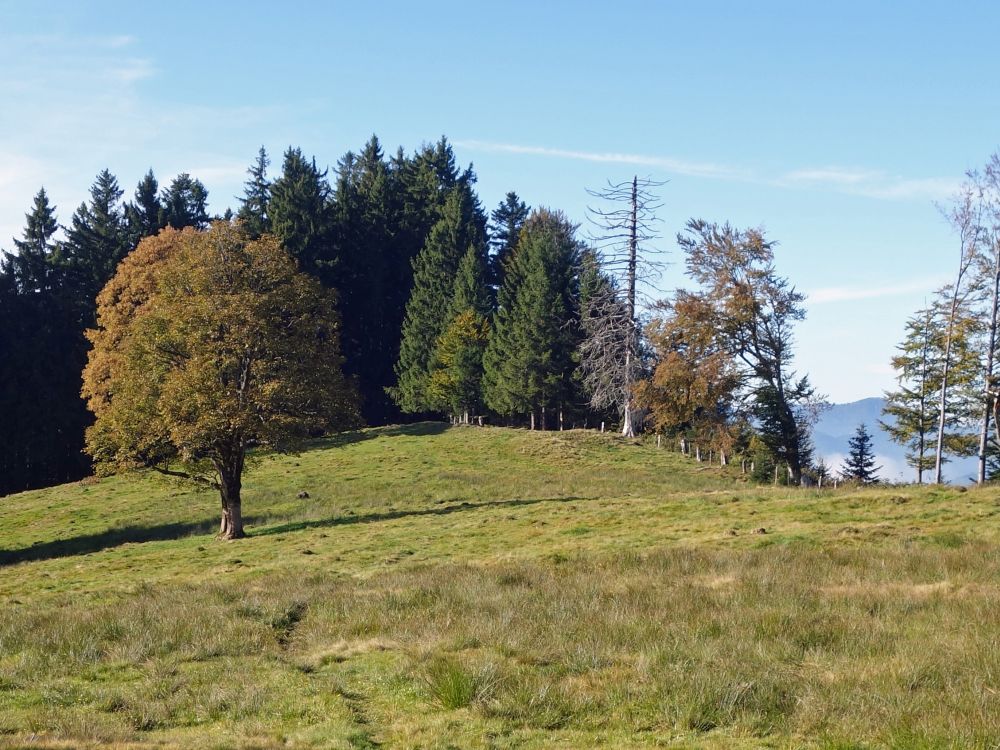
{"type": "Point", "coordinates": [991, 342]}
{"type": "Point", "coordinates": [628, 428]}
{"type": "Point", "coordinates": [943, 404]}
{"type": "Point", "coordinates": [532, 419]}
{"type": "Point", "coordinates": [922, 435]}
{"type": "Point", "coordinates": [964, 217]}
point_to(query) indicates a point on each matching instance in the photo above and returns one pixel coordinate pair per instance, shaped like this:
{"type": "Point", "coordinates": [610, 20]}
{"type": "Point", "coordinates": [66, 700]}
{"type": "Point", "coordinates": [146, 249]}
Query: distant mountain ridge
{"type": "Point", "coordinates": [837, 425]}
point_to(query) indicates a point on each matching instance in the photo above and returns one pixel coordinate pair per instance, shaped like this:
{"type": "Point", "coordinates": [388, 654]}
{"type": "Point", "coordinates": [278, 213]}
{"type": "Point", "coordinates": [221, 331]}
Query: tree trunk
{"type": "Point", "coordinates": [991, 344]}
{"type": "Point", "coordinates": [532, 419]}
{"type": "Point", "coordinates": [946, 365]}
{"type": "Point", "coordinates": [631, 346]}
{"type": "Point", "coordinates": [230, 485]}
{"type": "Point", "coordinates": [922, 432]}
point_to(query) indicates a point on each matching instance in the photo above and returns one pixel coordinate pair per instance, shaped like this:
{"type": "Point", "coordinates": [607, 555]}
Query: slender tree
{"type": "Point", "coordinates": [909, 410]}
{"type": "Point", "coordinates": [964, 217]}
{"type": "Point", "coordinates": [254, 209]}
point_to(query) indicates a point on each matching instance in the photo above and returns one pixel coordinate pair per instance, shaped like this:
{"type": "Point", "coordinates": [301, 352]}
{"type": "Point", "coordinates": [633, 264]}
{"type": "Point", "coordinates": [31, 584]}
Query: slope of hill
{"type": "Point", "coordinates": [493, 588]}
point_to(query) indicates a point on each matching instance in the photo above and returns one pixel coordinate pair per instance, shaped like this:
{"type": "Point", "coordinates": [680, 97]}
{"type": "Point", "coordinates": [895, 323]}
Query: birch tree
{"type": "Point", "coordinates": [963, 215]}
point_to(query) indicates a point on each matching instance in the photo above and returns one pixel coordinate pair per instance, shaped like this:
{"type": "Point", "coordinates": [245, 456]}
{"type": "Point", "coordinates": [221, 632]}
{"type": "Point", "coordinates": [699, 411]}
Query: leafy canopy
{"type": "Point", "coordinates": [209, 343]}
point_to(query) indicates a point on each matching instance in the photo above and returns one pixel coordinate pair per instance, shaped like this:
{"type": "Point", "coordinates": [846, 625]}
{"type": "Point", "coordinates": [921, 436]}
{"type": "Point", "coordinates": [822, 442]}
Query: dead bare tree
{"type": "Point", "coordinates": [625, 270]}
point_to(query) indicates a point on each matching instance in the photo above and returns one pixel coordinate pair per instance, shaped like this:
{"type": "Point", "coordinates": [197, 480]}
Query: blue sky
{"type": "Point", "coordinates": [835, 126]}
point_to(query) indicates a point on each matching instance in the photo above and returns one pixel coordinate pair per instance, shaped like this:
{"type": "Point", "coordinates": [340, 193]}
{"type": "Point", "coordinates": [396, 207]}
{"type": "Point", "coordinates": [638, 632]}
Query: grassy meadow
{"type": "Point", "coordinates": [492, 588]}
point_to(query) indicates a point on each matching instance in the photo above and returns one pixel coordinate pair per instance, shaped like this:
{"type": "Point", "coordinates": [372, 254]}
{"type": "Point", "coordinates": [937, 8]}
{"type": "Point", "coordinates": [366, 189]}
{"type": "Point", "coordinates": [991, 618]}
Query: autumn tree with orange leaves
{"type": "Point", "coordinates": [209, 344]}
{"type": "Point", "coordinates": [693, 389]}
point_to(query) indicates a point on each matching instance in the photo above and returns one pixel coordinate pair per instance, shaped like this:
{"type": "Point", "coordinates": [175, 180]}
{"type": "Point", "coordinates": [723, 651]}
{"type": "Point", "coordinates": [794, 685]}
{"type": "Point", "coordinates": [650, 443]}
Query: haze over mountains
{"type": "Point", "coordinates": [837, 425]}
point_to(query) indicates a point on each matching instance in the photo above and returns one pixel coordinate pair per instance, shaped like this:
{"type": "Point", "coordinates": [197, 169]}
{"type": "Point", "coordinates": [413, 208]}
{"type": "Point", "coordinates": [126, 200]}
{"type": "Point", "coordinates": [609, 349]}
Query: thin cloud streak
{"type": "Point", "coordinates": [868, 183]}
{"type": "Point", "coordinates": [850, 294]}
{"type": "Point", "coordinates": [677, 166]}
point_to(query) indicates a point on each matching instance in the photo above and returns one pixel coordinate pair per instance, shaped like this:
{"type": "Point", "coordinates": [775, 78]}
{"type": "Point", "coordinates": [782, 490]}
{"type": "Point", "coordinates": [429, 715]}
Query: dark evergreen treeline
{"type": "Point", "coordinates": [48, 286]}
{"type": "Point", "coordinates": [438, 315]}
{"type": "Point", "coordinates": [445, 309]}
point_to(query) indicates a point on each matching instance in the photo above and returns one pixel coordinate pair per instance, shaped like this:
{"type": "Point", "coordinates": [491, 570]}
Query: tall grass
{"type": "Point", "coordinates": [550, 591]}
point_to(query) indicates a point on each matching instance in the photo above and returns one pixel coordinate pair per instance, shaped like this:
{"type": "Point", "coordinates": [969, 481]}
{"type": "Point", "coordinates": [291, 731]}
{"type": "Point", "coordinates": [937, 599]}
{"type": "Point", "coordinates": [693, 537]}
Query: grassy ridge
{"type": "Point", "coordinates": [496, 588]}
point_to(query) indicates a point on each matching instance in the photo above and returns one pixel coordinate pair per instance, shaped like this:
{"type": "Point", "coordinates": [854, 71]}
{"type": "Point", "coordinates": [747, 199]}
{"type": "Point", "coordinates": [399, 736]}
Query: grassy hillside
{"type": "Point", "coordinates": [491, 588]}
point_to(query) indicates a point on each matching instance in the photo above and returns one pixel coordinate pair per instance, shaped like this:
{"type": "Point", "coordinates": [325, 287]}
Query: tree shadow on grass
{"type": "Point", "coordinates": [417, 429]}
{"type": "Point", "coordinates": [393, 515]}
{"type": "Point", "coordinates": [88, 543]}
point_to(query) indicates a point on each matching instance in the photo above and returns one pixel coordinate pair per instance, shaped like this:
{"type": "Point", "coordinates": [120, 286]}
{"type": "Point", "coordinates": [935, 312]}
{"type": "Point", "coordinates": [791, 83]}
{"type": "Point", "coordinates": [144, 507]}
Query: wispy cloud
{"type": "Point", "coordinates": [870, 183]}
{"type": "Point", "coordinates": [851, 293]}
{"type": "Point", "coordinates": [670, 164]}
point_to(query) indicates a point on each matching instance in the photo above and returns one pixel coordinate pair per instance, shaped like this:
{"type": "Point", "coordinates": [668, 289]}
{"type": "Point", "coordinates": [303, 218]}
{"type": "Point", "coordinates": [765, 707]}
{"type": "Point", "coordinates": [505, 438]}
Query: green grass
{"type": "Point", "coordinates": [491, 588]}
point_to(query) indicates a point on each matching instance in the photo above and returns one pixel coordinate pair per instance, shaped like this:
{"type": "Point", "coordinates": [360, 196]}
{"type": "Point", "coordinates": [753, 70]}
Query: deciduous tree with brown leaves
{"type": "Point", "coordinates": [209, 344]}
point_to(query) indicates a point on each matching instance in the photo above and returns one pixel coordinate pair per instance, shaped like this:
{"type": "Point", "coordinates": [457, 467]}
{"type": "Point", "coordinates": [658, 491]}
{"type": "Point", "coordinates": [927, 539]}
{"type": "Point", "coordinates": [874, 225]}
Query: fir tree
{"type": "Point", "coordinates": [372, 275]}
{"type": "Point", "coordinates": [145, 215]}
{"type": "Point", "coordinates": [31, 268]}
{"type": "Point", "coordinates": [530, 361]}
{"type": "Point", "coordinates": [910, 411]}
{"type": "Point", "coordinates": [427, 312]}
{"type": "Point", "coordinates": [505, 228]}
{"type": "Point", "coordinates": [859, 466]}
{"type": "Point", "coordinates": [96, 241]}
{"type": "Point", "coordinates": [256, 198]}
{"type": "Point", "coordinates": [300, 213]}
{"type": "Point", "coordinates": [185, 203]}
{"type": "Point", "coordinates": [470, 290]}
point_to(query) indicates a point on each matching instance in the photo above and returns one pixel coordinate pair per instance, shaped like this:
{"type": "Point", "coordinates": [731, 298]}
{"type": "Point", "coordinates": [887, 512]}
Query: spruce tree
{"type": "Point", "coordinates": [31, 267]}
{"type": "Point", "coordinates": [427, 311]}
{"type": "Point", "coordinates": [185, 203]}
{"type": "Point", "coordinates": [505, 227]}
{"type": "Point", "coordinates": [255, 203]}
{"type": "Point", "coordinates": [96, 241]}
{"type": "Point", "coordinates": [300, 213]}
{"type": "Point", "coordinates": [371, 276]}
{"type": "Point", "coordinates": [530, 362]}
{"type": "Point", "coordinates": [470, 290]}
{"type": "Point", "coordinates": [910, 411]}
{"type": "Point", "coordinates": [859, 466]}
{"type": "Point", "coordinates": [145, 214]}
